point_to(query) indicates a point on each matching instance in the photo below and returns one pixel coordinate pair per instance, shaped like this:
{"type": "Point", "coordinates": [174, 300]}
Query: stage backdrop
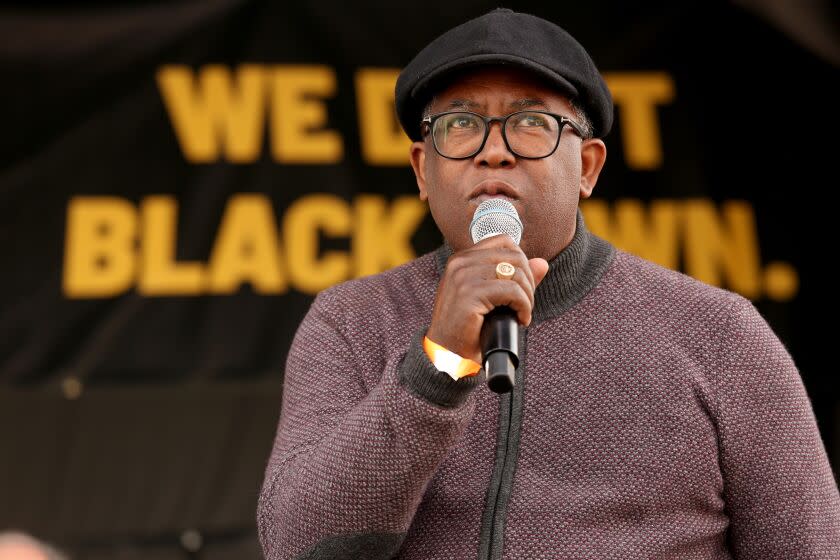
{"type": "Point", "coordinates": [178, 181]}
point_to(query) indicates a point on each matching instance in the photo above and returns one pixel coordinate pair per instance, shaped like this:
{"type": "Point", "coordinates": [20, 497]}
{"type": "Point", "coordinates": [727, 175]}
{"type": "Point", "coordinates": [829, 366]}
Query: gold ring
{"type": "Point", "coordinates": [505, 271]}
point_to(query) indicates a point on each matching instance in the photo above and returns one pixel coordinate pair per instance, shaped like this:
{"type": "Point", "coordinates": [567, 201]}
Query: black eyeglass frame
{"type": "Point", "coordinates": [488, 121]}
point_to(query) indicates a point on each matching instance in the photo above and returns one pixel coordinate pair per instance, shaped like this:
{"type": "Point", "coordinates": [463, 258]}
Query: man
{"type": "Point", "coordinates": [652, 415]}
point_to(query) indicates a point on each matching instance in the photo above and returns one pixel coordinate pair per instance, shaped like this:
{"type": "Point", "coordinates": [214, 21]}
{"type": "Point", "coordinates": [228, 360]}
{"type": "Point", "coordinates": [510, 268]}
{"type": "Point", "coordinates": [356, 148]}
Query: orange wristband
{"type": "Point", "coordinates": [449, 362]}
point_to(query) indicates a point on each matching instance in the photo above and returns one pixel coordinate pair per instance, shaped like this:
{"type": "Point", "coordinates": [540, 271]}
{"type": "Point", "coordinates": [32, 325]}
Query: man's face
{"type": "Point", "coordinates": [544, 191]}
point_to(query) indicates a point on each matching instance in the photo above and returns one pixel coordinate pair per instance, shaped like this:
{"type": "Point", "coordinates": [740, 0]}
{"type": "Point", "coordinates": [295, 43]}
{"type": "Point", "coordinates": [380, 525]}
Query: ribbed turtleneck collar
{"type": "Point", "coordinates": [571, 274]}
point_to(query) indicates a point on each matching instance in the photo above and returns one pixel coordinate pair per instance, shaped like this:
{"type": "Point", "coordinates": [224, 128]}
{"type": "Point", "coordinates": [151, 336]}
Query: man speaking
{"type": "Point", "coordinates": [648, 414]}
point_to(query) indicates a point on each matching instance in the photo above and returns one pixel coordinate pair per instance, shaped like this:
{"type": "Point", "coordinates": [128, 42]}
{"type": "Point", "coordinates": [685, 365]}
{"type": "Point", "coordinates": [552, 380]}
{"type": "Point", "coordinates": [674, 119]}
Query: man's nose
{"type": "Point", "coordinates": [495, 152]}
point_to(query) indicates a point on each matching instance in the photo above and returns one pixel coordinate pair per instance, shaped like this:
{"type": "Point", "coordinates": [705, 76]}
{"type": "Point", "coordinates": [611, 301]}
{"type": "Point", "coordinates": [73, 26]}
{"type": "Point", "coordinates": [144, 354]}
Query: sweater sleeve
{"type": "Point", "coordinates": [349, 466]}
{"type": "Point", "coordinates": [779, 490]}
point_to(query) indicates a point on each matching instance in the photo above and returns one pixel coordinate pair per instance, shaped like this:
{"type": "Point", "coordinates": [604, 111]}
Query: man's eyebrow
{"type": "Point", "coordinates": [463, 104]}
{"type": "Point", "coordinates": [528, 103]}
{"type": "Point", "coordinates": [518, 105]}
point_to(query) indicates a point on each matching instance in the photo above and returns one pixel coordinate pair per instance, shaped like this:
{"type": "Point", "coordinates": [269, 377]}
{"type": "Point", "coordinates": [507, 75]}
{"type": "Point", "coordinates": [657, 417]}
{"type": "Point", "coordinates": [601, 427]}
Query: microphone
{"type": "Point", "coordinates": [499, 336]}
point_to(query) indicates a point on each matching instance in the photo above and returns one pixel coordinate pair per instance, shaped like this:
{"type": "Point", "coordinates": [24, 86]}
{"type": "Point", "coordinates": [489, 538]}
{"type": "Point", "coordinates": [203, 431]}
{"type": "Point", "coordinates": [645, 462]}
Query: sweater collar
{"type": "Point", "coordinates": [571, 274]}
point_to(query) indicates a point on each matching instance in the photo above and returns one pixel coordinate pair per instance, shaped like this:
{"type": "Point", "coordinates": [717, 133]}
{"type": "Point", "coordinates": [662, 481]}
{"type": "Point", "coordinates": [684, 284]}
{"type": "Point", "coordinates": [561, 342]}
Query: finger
{"type": "Point", "coordinates": [509, 293]}
{"type": "Point", "coordinates": [481, 259]}
{"type": "Point", "coordinates": [489, 246]}
{"type": "Point", "coordinates": [521, 277]}
{"type": "Point", "coordinates": [505, 252]}
{"type": "Point", "coordinates": [509, 251]}
{"type": "Point", "coordinates": [520, 262]}
{"type": "Point", "coordinates": [500, 240]}
{"type": "Point", "coordinates": [539, 268]}
{"type": "Point", "coordinates": [528, 272]}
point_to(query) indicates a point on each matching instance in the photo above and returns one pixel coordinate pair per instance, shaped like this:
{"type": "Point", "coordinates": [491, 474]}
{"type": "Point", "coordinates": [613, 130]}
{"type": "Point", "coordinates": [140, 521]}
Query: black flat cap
{"type": "Point", "coordinates": [503, 37]}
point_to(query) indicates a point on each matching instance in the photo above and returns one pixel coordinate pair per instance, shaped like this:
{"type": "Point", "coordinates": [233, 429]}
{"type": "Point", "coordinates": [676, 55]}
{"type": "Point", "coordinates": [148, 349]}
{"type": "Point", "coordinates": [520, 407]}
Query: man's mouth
{"type": "Point", "coordinates": [485, 196]}
{"type": "Point", "coordinates": [493, 189]}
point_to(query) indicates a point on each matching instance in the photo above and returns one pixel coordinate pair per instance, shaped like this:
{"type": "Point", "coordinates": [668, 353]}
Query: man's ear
{"type": "Point", "coordinates": [593, 154]}
{"type": "Point", "coordinates": [417, 155]}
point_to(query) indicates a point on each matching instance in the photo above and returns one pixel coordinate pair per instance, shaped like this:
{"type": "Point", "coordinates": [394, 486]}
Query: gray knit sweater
{"type": "Point", "coordinates": [654, 416]}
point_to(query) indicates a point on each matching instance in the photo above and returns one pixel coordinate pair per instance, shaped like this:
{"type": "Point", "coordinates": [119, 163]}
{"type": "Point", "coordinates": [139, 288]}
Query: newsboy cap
{"type": "Point", "coordinates": [504, 37]}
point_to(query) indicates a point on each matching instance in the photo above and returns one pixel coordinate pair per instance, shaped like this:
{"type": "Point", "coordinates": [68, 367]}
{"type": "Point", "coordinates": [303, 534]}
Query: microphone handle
{"type": "Point", "coordinates": [499, 340]}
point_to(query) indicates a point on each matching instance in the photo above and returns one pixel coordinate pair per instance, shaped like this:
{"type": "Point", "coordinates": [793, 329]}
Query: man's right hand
{"type": "Point", "coordinates": [469, 290]}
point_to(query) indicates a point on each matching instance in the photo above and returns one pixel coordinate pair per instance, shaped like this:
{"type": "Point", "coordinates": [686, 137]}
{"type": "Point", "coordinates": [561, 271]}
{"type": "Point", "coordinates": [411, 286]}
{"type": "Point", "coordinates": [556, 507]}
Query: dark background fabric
{"type": "Point", "coordinates": [180, 394]}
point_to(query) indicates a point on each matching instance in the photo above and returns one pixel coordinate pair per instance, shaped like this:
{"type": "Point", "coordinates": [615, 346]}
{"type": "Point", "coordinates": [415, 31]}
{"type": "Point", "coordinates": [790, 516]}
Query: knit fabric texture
{"type": "Point", "coordinates": [654, 416]}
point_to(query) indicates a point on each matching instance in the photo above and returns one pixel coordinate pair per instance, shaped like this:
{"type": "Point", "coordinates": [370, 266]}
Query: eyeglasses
{"type": "Point", "coordinates": [527, 134]}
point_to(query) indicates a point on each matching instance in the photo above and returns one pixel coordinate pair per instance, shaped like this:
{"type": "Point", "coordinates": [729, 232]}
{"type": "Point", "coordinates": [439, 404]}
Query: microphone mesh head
{"type": "Point", "coordinates": [495, 216]}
